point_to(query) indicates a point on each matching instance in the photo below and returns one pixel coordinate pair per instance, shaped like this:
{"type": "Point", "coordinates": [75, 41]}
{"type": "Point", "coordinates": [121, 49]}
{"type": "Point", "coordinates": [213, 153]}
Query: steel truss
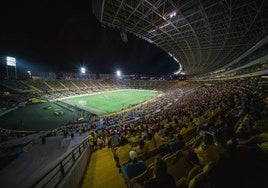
{"type": "Point", "coordinates": [203, 35]}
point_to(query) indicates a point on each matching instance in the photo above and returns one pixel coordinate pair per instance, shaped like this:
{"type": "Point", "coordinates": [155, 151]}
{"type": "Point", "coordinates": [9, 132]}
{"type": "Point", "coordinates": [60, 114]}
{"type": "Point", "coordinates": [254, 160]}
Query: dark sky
{"type": "Point", "coordinates": [57, 35]}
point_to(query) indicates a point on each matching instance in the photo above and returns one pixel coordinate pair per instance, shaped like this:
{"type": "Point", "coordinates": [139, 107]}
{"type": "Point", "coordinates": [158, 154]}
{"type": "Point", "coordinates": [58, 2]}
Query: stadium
{"type": "Point", "coordinates": [203, 126]}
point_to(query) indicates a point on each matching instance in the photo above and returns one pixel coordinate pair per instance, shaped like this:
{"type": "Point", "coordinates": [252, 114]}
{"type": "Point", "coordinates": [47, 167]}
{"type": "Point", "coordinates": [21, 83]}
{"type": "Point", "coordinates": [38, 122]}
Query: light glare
{"type": "Point", "coordinates": [11, 61]}
{"type": "Point", "coordinates": [118, 73]}
{"type": "Point", "coordinates": [83, 70]}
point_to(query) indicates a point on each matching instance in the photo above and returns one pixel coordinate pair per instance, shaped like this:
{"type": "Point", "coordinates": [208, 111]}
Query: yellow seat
{"type": "Point", "coordinates": [179, 153]}
{"type": "Point", "coordinates": [142, 156]}
{"type": "Point", "coordinates": [207, 168]}
{"type": "Point", "coordinates": [161, 145]}
{"type": "Point", "coordinates": [170, 159]}
{"type": "Point", "coordinates": [150, 171]}
{"type": "Point", "coordinates": [201, 177]}
{"type": "Point", "coordinates": [182, 183]}
{"type": "Point", "coordinates": [193, 172]}
{"type": "Point", "coordinates": [196, 180]}
{"type": "Point", "coordinates": [166, 156]}
{"type": "Point", "coordinates": [124, 163]}
{"type": "Point", "coordinates": [177, 169]}
{"type": "Point", "coordinates": [152, 152]}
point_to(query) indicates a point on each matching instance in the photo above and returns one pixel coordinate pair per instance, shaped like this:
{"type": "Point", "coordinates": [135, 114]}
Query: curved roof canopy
{"type": "Point", "coordinates": [202, 35]}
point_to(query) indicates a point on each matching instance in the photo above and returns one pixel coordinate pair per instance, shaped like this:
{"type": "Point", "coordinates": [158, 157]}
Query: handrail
{"type": "Point", "coordinates": [54, 176]}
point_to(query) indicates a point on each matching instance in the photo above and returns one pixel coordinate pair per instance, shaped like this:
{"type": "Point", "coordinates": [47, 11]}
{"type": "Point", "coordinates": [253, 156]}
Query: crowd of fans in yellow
{"type": "Point", "coordinates": [191, 120]}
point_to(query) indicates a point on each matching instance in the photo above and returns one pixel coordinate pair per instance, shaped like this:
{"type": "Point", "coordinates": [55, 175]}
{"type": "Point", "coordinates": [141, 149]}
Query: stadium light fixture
{"type": "Point", "coordinates": [83, 70]}
{"type": "Point", "coordinates": [172, 14]}
{"type": "Point", "coordinates": [118, 73]}
{"type": "Point", "coordinates": [11, 62]}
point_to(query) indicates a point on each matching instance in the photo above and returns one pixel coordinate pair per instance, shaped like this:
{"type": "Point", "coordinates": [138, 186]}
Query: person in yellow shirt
{"type": "Point", "coordinates": [206, 151]}
{"type": "Point", "coordinates": [150, 142]}
{"type": "Point", "coordinates": [121, 154]}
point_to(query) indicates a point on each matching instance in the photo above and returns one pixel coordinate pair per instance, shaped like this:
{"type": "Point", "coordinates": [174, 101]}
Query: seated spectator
{"type": "Point", "coordinates": [123, 139]}
{"type": "Point", "coordinates": [176, 144]}
{"type": "Point", "coordinates": [150, 142]}
{"type": "Point", "coordinates": [158, 140]}
{"type": "Point", "coordinates": [133, 168]}
{"type": "Point", "coordinates": [203, 151]}
{"type": "Point", "coordinates": [172, 146]}
{"type": "Point", "coordinates": [184, 130]}
{"type": "Point", "coordinates": [161, 177]}
{"type": "Point", "coordinates": [121, 154]}
{"type": "Point", "coordinates": [257, 142]}
{"type": "Point", "coordinates": [135, 139]}
{"type": "Point", "coordinates": [169, 130]}
{"type": "Point", "coordinates": [142, 148]}
{"type": "Point", "coordinates": [162, 130]}
{"type": "Point", "coordinates": [144, 134]}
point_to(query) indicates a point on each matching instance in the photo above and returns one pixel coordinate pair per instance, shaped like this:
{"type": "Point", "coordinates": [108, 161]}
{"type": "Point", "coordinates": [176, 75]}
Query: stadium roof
{"type": "Point", "coordinates": [202, 35]}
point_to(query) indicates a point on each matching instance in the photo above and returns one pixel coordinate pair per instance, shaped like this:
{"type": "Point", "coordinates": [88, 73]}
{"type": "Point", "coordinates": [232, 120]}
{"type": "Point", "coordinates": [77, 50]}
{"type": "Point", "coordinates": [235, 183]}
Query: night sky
{"type": "Point", "coordinates": [57, 35]}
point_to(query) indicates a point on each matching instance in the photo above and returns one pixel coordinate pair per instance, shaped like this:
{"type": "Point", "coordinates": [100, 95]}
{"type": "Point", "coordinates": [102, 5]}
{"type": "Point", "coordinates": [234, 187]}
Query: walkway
{"type": "Point", "coordinates": [102, 171]}
{"type": "Point", "coordinates": [33, 162]}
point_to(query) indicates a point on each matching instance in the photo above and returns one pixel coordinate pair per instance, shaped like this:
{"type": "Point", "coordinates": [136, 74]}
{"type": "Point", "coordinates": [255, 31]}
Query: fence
{"type": "Point", "coordinates": [54, 176]}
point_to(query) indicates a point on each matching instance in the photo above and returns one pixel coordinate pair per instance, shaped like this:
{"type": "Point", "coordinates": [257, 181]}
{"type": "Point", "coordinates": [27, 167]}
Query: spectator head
{"type": "Point", "coordinates": [149, 136]}
{"type": "Point", "coordinates": [141, 144]}
{"type": "Point", "coordinates": [160, 168]}
{"type": "Point", "coordinates": [208, 139]}
{"type": "Point", "coordinates": [133, 155]}
{"type": "Point", "coordinates": [179, 137]}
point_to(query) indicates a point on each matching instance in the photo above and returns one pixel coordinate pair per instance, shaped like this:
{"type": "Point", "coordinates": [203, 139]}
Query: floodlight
{"type": "Point", "coordinates": [29, 72]}
{"type": "Point", "coordinates": [118, 73]}
{"type": "Point", "coordinates": [172, 14]}
{"type": "Point", "coordinates": [83, 70]}
{"type": "Point", "coordinates": [11, 61]}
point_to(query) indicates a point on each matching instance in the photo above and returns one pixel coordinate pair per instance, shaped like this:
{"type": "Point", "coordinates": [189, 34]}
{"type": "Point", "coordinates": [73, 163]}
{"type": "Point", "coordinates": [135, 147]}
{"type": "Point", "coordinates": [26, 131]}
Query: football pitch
{"type": "Point", "coordinates": [36, 117]}
{"type": "Point", "coordinates": [110, 102]}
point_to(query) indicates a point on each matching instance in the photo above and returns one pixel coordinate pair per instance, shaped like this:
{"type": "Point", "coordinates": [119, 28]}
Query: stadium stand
{"type": "Point", "coordinates": [220, 45]}
{"type": "Point", "coordinates": [187, 108]}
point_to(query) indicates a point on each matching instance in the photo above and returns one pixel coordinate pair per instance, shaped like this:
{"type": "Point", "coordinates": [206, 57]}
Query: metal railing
{"type": "Point", "coordinates": [54, 176]}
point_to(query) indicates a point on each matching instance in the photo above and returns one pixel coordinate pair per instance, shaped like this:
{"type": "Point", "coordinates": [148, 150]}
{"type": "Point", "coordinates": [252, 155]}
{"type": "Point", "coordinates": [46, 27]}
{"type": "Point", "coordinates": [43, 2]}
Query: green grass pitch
{"type": "Point", "coordinates": [34, 117]}
{"type": "Point", "coordinates": [110, 102]}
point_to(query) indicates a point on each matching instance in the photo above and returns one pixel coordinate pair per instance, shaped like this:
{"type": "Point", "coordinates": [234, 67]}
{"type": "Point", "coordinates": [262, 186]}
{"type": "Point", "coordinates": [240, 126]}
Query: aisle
{"type": "Point", "coordinates": [102, 171]}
